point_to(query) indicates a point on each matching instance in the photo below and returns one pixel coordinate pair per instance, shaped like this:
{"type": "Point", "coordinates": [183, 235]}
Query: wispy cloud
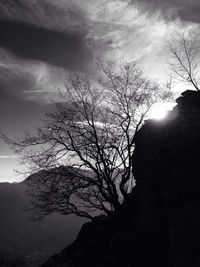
{"type": "Point", "coordinates": [40, 40]}
{"type": "Point", "coordinates": [78, 32]}
{"type": "Point", "coordinates": [8, 156]}
{"type": "Point", "coordinates": [184, 10]}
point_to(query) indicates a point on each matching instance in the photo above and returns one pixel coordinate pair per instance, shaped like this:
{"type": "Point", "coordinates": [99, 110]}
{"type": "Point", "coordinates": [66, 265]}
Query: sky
{"type": "Point", "coordinates": [43, 39]}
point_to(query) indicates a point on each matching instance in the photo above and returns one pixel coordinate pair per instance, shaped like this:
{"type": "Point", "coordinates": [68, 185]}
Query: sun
{"type": "Point", "coordinates": [159, 111]}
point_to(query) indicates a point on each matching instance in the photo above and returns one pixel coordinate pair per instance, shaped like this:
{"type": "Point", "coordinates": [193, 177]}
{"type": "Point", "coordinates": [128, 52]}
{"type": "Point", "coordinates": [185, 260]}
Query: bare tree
{"type": "Point", "coordinates": [185, 53]}
{"type": "Point", "coordinates": [84, 149]}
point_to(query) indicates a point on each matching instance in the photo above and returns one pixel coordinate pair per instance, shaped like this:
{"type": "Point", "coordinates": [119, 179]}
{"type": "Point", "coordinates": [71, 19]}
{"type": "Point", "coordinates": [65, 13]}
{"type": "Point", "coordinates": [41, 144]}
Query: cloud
{"type": "Point", "coordinates": [45, 35]}
{"type": "Point", "coordinates": [184, 10]}
{"type": "Point", "coordinates": [13, 81]}
{"type": "Point", "coordinates": [68, 34]}
{"type": "Point", "coordinates": [45, 31]}
{"type": "Point", "coordinates": [62, 15]}
{"type": "Point", "coordinates": [8, 157]}
{"type": "Point", "coordinates": [66, 50]}
{"type": "Point", "coordinates": [20, 105]}
{"type": "Point", "coordinates": [123, 32]}
{"type": "Point", "coordinates": [40, 39]}
{"type": "Point", "coordinates": [27, 80]}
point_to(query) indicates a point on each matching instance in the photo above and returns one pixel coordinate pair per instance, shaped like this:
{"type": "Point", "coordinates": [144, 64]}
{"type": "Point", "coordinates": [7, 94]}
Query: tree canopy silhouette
{"type": "Point", "coordinates": [83, 152]}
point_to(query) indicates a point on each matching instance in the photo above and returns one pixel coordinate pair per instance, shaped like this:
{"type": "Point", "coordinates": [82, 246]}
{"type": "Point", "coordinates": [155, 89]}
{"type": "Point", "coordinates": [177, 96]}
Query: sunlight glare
{"type": "Point", "coordinates": [159, 111]}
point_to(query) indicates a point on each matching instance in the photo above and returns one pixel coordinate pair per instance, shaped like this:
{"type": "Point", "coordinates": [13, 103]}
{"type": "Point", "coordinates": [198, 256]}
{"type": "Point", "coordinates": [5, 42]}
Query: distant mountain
{"type": "Point", "coordinates": [24, 242]}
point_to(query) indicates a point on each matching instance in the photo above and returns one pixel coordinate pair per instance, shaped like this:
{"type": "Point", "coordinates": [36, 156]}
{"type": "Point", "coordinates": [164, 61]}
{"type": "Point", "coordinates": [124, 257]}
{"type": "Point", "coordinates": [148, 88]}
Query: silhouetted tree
{"type": "Point", "coordinates": [185, 52]}
{"type": "Point", "coordinates": [85, 147]}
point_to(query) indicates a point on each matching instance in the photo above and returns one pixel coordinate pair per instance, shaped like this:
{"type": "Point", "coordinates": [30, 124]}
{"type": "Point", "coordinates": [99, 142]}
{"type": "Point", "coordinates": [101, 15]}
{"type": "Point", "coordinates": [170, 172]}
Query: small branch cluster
{"type": "Point", "coordinates": [185, 51]}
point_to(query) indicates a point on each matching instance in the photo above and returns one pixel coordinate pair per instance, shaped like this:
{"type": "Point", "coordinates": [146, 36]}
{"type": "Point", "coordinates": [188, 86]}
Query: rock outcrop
{"type": "Point", "coordinates": [166, 167]}
{"type": "Point", "coordinates": [160, 225]}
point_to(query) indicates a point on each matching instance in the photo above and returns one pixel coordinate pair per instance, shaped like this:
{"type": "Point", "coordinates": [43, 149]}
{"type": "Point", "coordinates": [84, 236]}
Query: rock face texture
{"type": "Point", "coordinates": [160, 225]}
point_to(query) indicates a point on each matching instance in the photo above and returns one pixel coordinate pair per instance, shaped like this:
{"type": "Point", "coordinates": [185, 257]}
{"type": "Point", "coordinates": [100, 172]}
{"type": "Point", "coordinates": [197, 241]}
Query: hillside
{"type": "Point", "coordinates": [159, 225]}
{"type": "Point", "coordinates": [28, 243]}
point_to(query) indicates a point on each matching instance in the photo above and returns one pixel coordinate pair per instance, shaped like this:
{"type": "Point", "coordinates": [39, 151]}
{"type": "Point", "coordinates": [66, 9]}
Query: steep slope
{"type": "Point", "coordinates": [159, 225]}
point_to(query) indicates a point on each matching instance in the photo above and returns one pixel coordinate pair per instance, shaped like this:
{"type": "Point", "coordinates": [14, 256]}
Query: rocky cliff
{"type": "Point", "coordinates": [159, 226]}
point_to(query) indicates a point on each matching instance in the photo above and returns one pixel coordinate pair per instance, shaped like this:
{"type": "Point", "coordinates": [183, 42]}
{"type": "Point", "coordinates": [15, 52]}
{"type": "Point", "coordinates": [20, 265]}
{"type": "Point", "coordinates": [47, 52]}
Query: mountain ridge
{"type": "Point", "coordinates": [22, 238]}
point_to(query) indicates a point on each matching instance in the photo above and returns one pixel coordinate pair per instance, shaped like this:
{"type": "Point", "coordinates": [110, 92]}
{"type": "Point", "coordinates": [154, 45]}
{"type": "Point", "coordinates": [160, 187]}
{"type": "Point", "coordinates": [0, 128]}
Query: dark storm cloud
{"type": "Point", "coordinates": [32, 42]}
{"type": "Point", "coordinates": [186, 10]}
{"type": "Point", "coordinates": [40, 30]}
